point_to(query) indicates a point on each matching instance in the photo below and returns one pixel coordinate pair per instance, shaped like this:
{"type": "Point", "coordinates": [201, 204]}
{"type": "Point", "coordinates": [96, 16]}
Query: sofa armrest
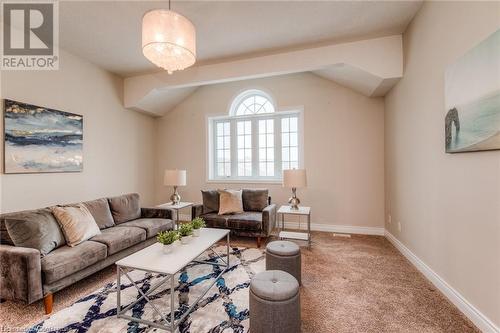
{"type": "Point", "coordinates": [196, 210]}
{"type": "Point", "coordinates": [268, 219]}
{"type": "Point", "coordinates": [158, 213]}
{"type": "Point", "coordinates": [20, 274]}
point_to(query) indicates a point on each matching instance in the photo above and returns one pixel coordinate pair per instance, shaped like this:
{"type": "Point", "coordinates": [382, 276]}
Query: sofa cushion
{"type": "Point", "coordinates": [152, 226]}
{"type": "Point", "coordinates": [101, 212]}
{"type": "Point", "coordinates": [255, 199]}
{"type": "Point", "coordinates": [230, 202]}
{"type": "Point", "coordinates": [37, 229]}
{"type": "Point", "coordinates": [117, 239]}
{"type": "Point", "coordinates": [251, 221]}
{"type": "Point", "coordinates": [214, 220]}
{"type": "Point", "coordinates": [210, 201]}
{"type": "Point", "coordinates": [4, 234]}
{"type": "Point", "coordinates": [67, 260]}
{"type": "Point", "coordinates": [125, 207]}
{"type": "Point", "coordinates": [76, 222]}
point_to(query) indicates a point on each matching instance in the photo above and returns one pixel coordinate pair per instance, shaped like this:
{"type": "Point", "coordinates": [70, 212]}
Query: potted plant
{"type": "Point", "coordinates": [185, 231]}
{"type": "Point", "coordinates": [167, 238]}
{"type": "Point", "coordinates": [197, 224]}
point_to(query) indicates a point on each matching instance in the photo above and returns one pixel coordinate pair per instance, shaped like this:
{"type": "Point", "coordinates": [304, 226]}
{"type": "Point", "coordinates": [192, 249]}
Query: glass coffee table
{"type": "Point", "coordinates": [152, 259]}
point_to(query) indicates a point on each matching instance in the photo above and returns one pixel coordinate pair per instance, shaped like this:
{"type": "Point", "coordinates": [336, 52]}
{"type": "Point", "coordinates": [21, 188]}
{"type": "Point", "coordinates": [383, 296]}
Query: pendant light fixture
{"type": "Point", "coordinates": [168, 39]}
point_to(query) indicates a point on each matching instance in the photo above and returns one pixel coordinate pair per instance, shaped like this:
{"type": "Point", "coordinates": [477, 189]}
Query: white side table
{"type": "Point", "coordinates": [177, 208]}
{"type": "Point", "coordinates": [304, 211]}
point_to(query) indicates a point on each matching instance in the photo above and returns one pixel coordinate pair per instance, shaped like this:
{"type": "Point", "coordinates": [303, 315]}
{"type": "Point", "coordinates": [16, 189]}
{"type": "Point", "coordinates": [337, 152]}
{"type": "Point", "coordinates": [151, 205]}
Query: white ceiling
{"type": "Point", "coordinates": [108, 33]}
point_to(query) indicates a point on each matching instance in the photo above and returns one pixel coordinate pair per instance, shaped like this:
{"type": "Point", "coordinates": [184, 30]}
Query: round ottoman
{"type": "Point", "coordinates": [274, 303]}
{"type": "Point", "coordinates": [284, 256]}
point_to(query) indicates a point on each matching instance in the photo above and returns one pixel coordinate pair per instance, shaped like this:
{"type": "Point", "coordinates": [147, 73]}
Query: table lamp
{"type": "Point", "coordinates": [175, 178]}
{"type": "Point", "coordinates": [294, 178]}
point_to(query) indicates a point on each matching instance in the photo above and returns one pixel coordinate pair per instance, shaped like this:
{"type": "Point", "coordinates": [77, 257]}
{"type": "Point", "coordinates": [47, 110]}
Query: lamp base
{"type": "Point", "coordinates": [175, 197]}
{"type": "Point", "coordinates": [294, 201]}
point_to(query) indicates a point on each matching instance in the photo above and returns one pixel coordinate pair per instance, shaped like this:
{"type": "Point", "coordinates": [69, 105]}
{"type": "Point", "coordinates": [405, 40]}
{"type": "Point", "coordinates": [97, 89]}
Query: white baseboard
{"type": "Point", "coordinates": [344, 229]}
{"type": "Point", "coordinates": [478, 318]}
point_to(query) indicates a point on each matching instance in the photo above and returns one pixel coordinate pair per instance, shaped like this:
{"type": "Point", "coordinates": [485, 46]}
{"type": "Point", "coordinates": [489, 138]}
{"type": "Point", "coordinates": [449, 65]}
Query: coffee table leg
{"type": "Point", "coordinates": [172, 302]}
{"type": "Point", "coordinates": [118, 292]}
{"type": "Point", "coordinates": [227, 261]}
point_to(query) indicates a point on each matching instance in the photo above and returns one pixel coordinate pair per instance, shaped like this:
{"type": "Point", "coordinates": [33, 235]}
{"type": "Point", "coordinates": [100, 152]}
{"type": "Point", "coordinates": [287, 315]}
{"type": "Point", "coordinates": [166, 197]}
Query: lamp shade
{"type": "Point", "coordinates": [175, 178]}
{"type": "Point", "coordinates": [294, 178]}
{"type": "Point", "coordinates": [168, 40]}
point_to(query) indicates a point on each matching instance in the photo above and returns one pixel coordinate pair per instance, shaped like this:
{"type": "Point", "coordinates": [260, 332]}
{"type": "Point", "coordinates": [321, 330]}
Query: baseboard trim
{"type": "Point", "coordinates": [344, 229]}
{"type": "Point", "coordinates": [476, 316]}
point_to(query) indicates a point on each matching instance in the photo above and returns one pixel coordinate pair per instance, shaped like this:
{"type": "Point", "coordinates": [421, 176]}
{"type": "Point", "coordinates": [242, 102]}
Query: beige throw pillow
{"type": "Point", "coordinates": [230, 201]}
{"type": "Point", "coordinates": [76, 222]}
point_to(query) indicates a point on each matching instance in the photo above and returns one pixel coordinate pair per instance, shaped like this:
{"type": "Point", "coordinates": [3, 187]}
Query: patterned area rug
{"type": "Point", "coordinates": [223, 309]}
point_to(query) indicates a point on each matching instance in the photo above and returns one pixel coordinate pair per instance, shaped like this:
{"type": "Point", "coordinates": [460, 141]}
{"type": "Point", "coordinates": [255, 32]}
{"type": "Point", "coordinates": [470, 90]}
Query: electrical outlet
{"type": "Point", "coordinates": [399, 226]}
{"type": "Point", "coordinates": [390, 218]}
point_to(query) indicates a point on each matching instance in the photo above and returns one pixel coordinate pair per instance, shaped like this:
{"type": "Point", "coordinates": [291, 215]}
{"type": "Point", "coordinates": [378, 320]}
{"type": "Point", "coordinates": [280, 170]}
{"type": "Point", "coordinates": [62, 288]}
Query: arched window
{"type": "Point", "coordinates": [254, 142]}
{"type": "Point", "coordinates": [251, 102]}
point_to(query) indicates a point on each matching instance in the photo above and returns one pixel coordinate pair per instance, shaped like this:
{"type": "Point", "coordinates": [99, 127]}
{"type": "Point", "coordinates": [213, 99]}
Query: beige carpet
{"type": "Point", "coordinates": [358, 284]}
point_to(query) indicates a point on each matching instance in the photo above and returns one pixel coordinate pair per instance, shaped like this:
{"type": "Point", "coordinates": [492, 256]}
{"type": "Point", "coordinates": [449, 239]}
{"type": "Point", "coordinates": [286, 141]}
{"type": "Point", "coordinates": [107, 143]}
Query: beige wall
{"type": "Point", "coordinates": [118, 143]}
{"type": "Point", "coordinates": [448, 204]}
{"type": "Point", "coordinates": [343, 146]}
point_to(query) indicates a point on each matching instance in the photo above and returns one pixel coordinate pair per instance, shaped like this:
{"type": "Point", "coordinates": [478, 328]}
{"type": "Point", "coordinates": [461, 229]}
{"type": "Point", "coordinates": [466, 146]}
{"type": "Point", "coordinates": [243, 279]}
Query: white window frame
{"type": "Point", "coordinates": [254, 118]}
{"type": "Point", "coordinates": [249, 93]}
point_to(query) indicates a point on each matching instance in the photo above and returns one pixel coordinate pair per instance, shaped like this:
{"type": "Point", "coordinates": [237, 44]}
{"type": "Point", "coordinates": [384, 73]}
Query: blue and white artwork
{"type": "Point", "coordinates": [39, 139]}
{"type": "Point", "coordinates": [472, 91]}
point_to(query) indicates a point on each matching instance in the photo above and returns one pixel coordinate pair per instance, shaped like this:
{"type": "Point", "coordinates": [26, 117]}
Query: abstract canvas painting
{"type": "Point", "coordinates": [472, 93]}
{"type": "Point", "coordinates": [39, 139]}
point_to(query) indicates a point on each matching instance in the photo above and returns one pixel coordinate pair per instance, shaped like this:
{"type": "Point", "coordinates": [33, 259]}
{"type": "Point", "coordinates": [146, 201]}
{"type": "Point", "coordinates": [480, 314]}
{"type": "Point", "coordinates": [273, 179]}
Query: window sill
{"type": "Point", "coordinates": [245, 181]}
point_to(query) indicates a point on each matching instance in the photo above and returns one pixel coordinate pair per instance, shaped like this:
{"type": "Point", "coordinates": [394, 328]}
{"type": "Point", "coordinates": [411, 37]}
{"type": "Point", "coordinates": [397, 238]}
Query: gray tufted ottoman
{"type": "Point", "coordinates": [284, 256]}
{"type": "Point", "coordinates": [274, 303]}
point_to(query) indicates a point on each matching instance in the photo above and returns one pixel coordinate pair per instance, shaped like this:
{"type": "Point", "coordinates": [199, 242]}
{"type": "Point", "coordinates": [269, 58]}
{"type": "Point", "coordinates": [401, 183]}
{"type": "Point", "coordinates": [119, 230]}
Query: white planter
{"type": "Point", "coordinates": [167, 248]}
{"type": "Point", "coordinates": [185, 240]}
{"type": "Point", "coordinates": [196, 232]}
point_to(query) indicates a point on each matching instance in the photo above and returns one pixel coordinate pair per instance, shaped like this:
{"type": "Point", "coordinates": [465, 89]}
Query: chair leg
{"type": "Point", "coordinates": [48, 301]}
{"type": "Point", "coordinates": [258, 242]}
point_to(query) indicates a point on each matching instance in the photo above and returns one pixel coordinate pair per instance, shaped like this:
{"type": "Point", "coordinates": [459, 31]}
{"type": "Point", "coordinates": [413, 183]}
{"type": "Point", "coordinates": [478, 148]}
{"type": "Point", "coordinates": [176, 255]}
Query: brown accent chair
{"type": "Point", "coordinates": [35, 261]}
{"type": "Point", "coordinates": [258, 219]}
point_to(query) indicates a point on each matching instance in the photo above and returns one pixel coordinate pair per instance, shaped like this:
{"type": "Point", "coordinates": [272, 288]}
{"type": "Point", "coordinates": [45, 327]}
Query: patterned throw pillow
{"type": "Point", "coordinates": [77, 223]}
{"type": "Point", "coordinates": [230, 202]}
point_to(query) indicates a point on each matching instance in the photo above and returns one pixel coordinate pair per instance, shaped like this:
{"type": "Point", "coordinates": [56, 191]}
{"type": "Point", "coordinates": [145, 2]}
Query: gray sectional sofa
{"type": "Point", "coordinates": [258, 219]}
{"type": "Point", "coordinates": [35, 261]}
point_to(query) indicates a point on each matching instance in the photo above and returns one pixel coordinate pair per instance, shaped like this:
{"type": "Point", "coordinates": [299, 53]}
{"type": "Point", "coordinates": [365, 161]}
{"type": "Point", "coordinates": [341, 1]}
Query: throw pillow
{"type": "Point", "coordinates": [77, 223]}
{"type": "Point", "coordinates": [125, 207]}
{"type": "Point", "coordinates": [99, 209]}
{"type": "Point", "coordinates": [255, 200]}
{"type": "Point", "coordinates": [230, 202]}
{"type": "Point", "coordinates": [36, 229]}
{"type": "Point", "coordinates": [210, 201]}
